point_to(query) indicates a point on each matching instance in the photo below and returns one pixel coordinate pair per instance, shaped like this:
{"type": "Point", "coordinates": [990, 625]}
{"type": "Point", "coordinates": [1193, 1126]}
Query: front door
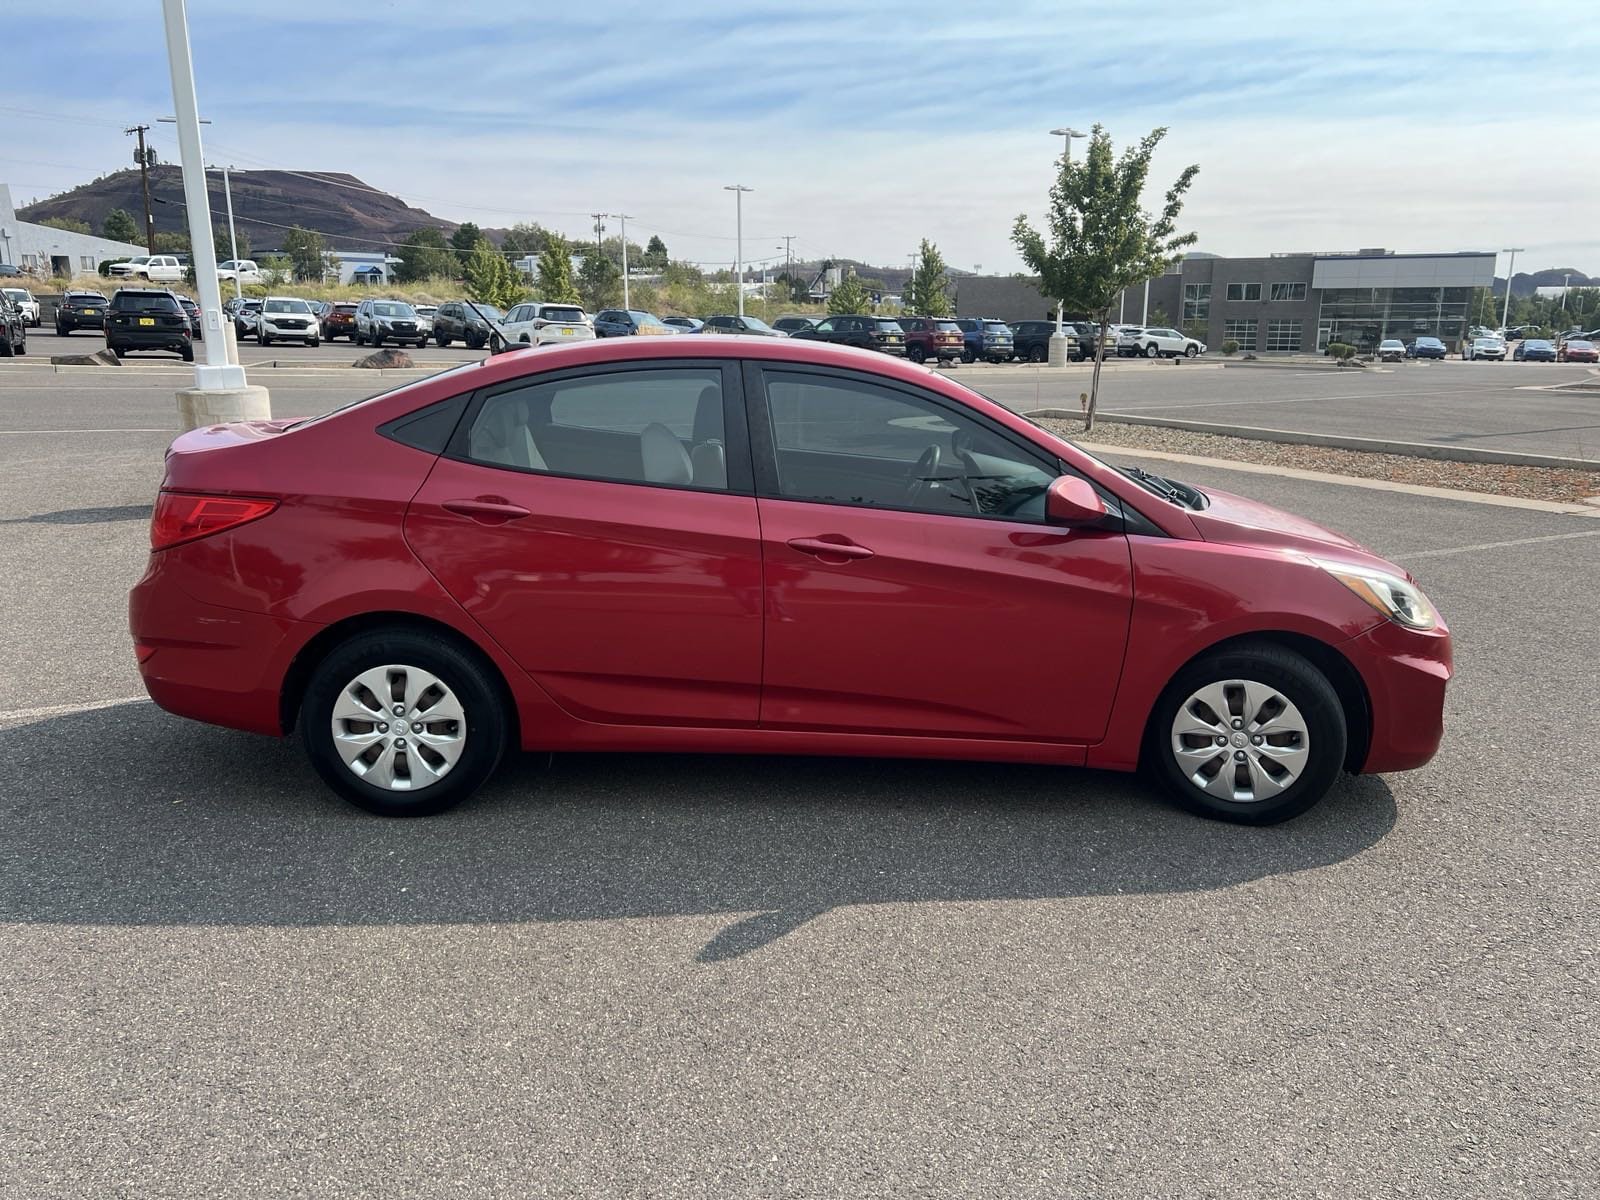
{"type": "Point", "coordinates": [599, 524]}
{"type": "Point", "coordinates": [912, 584]}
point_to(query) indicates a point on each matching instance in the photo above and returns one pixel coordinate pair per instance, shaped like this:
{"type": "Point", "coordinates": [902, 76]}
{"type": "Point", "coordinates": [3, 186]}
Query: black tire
{"type": "Point", "coordinates": [187, 354]}
{"type": "Point", "coordinates": [1152, 351]}
{"type": "Point", "coordinates": [916, 354]}
{"type": "Point", "coordinates": [421, 342]}
{"type": "Point", "coordinates": [22, 346]}
{"type": "Point", "coordinates": [1036, 354]}
{"type": "Point", "coordinates": [376, 339]}
{"type": "Point", "coordinates": [60, 332]}
{"type": "Point", "coordinates": [441, 341]}
{"type": "Point", "coordinates": [967, 356]}
{"type": "Point", "coordinates": [6, 348]}
{"type": "Point", "coordinates": [487, 722]}
{"type": "Point", "coordinates": [313, 343]}
{"type": "Point", "coordinates": [1191, 351]}
{"type": "Point", "coordinates": [1301, 684]}
{"type": "Point", "coordinates": [118, 351]}
{"type": "Point", "coordinates": [474, 342]}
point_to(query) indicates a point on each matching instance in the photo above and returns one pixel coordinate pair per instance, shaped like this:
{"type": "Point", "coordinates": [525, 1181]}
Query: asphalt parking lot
{"type": "Point", "coordinates": [783, 977]}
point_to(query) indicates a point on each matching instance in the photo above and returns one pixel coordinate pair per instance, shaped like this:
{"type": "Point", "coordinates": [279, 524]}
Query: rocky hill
{"type": "Point", "coordinates": [348, 213]}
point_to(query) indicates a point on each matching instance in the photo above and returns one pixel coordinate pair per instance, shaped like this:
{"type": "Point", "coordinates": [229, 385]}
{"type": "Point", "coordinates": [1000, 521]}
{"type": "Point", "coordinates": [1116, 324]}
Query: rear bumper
{"type": "Point", "coordinates": [1405, 675]}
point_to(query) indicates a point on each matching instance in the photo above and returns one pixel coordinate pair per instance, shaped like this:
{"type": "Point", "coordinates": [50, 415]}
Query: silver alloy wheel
{"type": "Point", "coordinates": [399, 728]}
{"type": "Point", "coordinates": [1240, 740]}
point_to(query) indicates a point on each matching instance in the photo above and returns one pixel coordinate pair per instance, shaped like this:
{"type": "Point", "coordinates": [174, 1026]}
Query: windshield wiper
{"type": "Point", "coordinates": [1161, 487]}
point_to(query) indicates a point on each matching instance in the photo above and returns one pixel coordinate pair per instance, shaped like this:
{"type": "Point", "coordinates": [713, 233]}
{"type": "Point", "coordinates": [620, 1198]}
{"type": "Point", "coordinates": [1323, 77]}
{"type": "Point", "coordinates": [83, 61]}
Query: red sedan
{"type": "Point", "coordinates": [1578, 350]}
{"type": "Point", "coordinates": [761, 545]}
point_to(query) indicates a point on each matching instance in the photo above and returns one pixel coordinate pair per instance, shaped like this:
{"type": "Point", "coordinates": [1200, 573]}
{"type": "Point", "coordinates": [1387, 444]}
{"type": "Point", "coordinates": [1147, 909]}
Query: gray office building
{"type": "Point", "coordinates": [1283, 303]}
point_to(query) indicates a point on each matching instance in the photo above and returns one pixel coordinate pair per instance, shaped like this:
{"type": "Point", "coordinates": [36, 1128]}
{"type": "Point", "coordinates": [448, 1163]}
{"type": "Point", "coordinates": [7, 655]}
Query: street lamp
{"type": "Point", "coordinates": [1066, 133]}
{"type": "Point", "coordinates": [1505, 313]}
{"type": "Point", "coordinates": [738, 190]}
{"type": "Point", "coordinates": [623, 218]}
{"type": "Point", "coordinates": [227, 192]}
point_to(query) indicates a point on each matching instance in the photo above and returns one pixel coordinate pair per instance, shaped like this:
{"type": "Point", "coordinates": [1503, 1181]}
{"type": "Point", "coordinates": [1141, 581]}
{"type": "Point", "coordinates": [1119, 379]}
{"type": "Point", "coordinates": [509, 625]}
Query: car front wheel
{"type": "Point", "coordinates": [1191, 351]}
{"type": "Point", "coordinates": [403, 723]}
{"type": "Point", "coordinates": [1253, 735]}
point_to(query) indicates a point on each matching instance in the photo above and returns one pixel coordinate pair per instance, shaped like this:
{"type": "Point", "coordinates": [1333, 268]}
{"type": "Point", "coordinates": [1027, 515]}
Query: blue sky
{"type": "Point", "coordinates": [863, 128]}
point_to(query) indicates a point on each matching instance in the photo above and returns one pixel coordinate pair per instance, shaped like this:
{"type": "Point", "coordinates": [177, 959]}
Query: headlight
{"type": "Point", "coordinates": [1402, 602]}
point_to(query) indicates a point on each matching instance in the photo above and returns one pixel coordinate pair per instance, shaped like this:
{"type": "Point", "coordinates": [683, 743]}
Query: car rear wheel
{"type": "Point", "coordinates": [916, 354]}
{"type": "Point", "coordinates": [1152, 351]}
{"type": "Point", "coordinates": [440, 340]}
{"type": "Point", "coordinates": [967, 356]}
{"type": "Point", "coordinates": [403, 723]}
{"type": "Point", "coordinates": [1254, 735]}
{"type": "Point", "coordinates": [62, 332]}
{"type": "Point", "coordinates": [1036, 354]}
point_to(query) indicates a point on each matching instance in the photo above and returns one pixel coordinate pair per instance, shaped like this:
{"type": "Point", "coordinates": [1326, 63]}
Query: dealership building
{"type": "Point", "coordinates": [1283, 303]}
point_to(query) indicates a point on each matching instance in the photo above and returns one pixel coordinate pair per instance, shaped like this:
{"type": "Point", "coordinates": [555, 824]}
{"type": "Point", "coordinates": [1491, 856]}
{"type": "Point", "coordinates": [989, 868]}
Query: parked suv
{"type": "Point", "coordinates": [1032, 340]}
{"type": "Point", "coordinates": [22, 299]}
{"type": "Point", "coordinates": [987, 338]}
{"type": "Point", "coordinates": [867, 333]}
{"type": "Point", "coordinates": [13, 329]}
{"type": "Point", "coordinates": [148, 319]}
{"type": "Point", "coordinates": [1157, 342]}
{"type": "Point", "coordinates": [288, 318]}
{"type": "Point", "coordinates": [457, 320]}
{"type": "Point", "coordinates": [80, 310]}
{"type": "Point", "coordinates": [379, 321]}
{"type": "Point", "coordinates": [749, 326]}
{"type": "Point", "coordinates": [245, 317]}
{"type": "Point", "coordinates": [938, 338]}
{"type": "Point", "coordinates": [340, 321]}
{"type": "Point", "coordinates": [536, 324]}
{"type": "Point", "coordinates": [794, 324]}
{"type": "Point", "coordinates": [627, 322]}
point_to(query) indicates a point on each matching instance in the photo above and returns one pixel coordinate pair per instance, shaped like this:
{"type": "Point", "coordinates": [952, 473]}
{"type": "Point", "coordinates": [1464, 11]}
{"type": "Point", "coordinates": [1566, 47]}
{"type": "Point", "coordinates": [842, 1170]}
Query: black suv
{"type": "Point", "coordinates": [148, 319]}
{"type": "Point", "coordinates": [13, 329]}
{"type": "Point", "coordinates": [456, 321]}
{"type": "Point", "coordinates": [1032, 342]}
{"type": "Point", "coordinates": [80, 310]}
{"type": "Point", "coordinates": [869, 333]}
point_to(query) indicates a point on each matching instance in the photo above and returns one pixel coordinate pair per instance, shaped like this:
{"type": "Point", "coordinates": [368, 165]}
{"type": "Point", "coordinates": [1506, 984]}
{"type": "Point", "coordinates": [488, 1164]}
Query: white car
{"type": "Point", "coordinates": [158, 268]}
{"type": "Point", "coordinates": [242, 269]}
{"type": "Point", "coordinates": [535, 324]}
{"type": "Point", "coordinates": [1156, 342]}
{"type": "Point", "coordinates": [22, 299]}
{"type": "Point", "coordinates": [425, 317]}
{"type": "Point", "coordinates": [285, 317]}
{"type": "Point", "coordinates": [1487, 348]}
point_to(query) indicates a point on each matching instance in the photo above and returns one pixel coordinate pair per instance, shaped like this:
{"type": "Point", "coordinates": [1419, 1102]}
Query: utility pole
{"type": "Point", "coordinates": [622, 218]}
{"type": "Point", "coordinates": [1505, 312]}
{"type": "Point", "coordinates": [143, 159]}
{"type": "Point", "coordinates": [738, 190]}
{"type": "Point", "coordinates": [599, 229]}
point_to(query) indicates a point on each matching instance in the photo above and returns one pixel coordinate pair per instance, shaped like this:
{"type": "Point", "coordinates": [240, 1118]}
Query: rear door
{"type": "Point", "coordinates": [912, 584]}
{"type": "Point", "coordinates": [600, 525]}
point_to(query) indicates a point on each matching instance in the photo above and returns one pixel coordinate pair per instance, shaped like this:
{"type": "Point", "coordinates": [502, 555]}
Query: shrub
{"type": "Point", "coordinates": [105, 265]}
{"type": "Point", "coordinates": [1340, 352]}
{"type": "Point", "coordinates": [1230, 347]}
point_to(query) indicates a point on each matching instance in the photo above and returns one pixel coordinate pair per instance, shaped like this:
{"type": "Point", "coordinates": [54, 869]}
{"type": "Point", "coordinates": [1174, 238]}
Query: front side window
{"type": "Point", "coordinates": [1288, 291]}
{"type": "Point", "coordinates": [848, 441]}
{"type": "Point", "coordinates": [634, 426]}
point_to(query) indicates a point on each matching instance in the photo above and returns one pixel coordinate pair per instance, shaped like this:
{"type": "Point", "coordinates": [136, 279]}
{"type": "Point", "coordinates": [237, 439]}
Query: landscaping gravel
{"type": "Point", "coordinates": [1531, 483]}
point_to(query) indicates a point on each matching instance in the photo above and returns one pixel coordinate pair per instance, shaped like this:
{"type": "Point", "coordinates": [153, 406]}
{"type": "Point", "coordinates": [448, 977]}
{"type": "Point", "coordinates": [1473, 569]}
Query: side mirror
{"type": "Point", "coordinates": [1073, 501]}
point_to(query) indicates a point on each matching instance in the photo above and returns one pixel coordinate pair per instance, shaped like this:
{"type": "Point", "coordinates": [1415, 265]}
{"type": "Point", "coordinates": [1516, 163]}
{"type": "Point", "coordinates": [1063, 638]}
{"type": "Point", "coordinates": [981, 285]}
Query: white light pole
{"type": "Point", "coordinates": [623, 218]}
{"type": "Point", "coordinates": [1505, 311]}
{"type": "Point", "coordinates": [221, 392]}
{"type": "Point", "coordinates": [1144, 313]}
{"type": "Point", "coordinates": [738, 190]}
{"type": "Point", "coordinates": [1058, 342]}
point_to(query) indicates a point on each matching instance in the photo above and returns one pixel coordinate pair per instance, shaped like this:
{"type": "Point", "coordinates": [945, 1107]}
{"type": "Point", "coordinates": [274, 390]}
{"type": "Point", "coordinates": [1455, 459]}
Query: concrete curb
{"type": "Point", "coordinates": [1335, 442]}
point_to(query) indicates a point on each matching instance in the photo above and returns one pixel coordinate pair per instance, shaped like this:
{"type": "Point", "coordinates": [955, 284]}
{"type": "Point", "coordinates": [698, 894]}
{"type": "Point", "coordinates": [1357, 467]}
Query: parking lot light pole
{"type": "Point", "coordinates": [623, 219]}
{"type": "Point", "coordinates": [738, 190]}
{"type": "Point", "coordinates": [1505, 311]}
{"type": "Point", "coordinates": [1058, 342]}
{"type": "Point", "coordinates": [221, 392]}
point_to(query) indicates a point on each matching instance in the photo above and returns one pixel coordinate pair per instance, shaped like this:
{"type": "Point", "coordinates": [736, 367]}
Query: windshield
{"type": "Point", "coordinates": [392, 310]}
{"type": "Point", "coordinates": [138, 262]}
{"type": "Point", "coordinates": [644, 318]}
{"type": "Point", "coordinates": [15, 293]}
{"type": "Point", "coordinates": [1392, 344]}
{"type": "Point", "coordinates": [1578, 344]}
{"type": "Point", "coordinates": [488, 310]}
{"type": "Point", "coordinates": [757, 323]}
{"type": "Point", "coordinates": [1541, 344]}
{"type": "Point", "coordinates": [286, 306]}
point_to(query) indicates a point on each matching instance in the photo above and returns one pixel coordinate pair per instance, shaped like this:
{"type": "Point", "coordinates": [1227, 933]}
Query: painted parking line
{"type": "Point", "coordinates": [1247, 403]}
{"type": "Point", "coordinates": [162, 429]}
{"type": "Point", "coordinates": [1527, 541]}
{"type": "Point", "coordinates": [67, 710]}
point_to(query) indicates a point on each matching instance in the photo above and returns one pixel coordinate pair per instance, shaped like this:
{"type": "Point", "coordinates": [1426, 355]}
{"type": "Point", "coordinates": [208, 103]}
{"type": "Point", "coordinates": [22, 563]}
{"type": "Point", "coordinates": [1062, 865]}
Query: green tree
{"type": "Point", "coordinates": [304, 248]}
{"type": "Point", "coordinates": [848, 297]}
{"type": "Point", "coordinates": [524, 238]}
{"type": "Point", "coordinates": [555, 272]}
{"type": "Point", "coordinates": [171, 241]}
{"type": "Point", "coordinates": [490, 279]}
{"type": "Point", "coordinates": [425, 255]}
{"type": "Point", "coordinates": [1101, 239]}
{"type": "Point", "coordinates": [655, 254]}
{"type": "Point", "coordinates": [926, 294]}
{"type": "Point", "coordinates": [599, 282]}
{"type": "Point", "coordinates": [465, 239]}
{"type": "Point", "coordinates": [69, 224]}
{"type": "Point", "coordinates": [119, 226]}
{"type": "Point", "coordinates": [223, 244]}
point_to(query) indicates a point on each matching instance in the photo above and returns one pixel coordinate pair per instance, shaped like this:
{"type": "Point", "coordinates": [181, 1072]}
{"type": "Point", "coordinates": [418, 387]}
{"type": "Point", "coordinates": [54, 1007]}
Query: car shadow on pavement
{"type": "Point", "coordinates": [84, 516]}
{"type": "Point", "coordinates": [128, 816]}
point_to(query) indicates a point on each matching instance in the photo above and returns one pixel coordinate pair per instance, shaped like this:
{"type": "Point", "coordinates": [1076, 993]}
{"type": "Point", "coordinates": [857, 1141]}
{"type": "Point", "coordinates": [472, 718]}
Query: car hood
{"type": "Point", "coordinates": [1236, 520]}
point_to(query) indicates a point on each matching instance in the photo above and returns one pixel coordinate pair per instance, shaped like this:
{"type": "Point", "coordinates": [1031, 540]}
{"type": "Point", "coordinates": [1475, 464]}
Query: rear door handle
{"type": "Point", "coordinates": [823, 548]}
{"type": "Point", "coordinates": [486, 510]}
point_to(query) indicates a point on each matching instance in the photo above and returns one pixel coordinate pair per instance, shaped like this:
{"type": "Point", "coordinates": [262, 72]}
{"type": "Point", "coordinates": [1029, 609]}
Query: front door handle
{"type": "Point", "coordinates": [486, 510]}
{"type": "Point", "coordinates": [824, 548]}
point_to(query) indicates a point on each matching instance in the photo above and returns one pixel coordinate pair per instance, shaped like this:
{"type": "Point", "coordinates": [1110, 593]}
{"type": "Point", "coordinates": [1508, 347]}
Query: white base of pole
{"type": "Point", "coordinates": [199, 407]}
{"type": "Point", "coordinates": [1060, 349]}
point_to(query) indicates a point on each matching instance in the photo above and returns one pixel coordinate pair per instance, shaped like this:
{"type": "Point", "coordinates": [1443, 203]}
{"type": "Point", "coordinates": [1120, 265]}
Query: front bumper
{"type": "Point", "coordinates": [1405, 673]}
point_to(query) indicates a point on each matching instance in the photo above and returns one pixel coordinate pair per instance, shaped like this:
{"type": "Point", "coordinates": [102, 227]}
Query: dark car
{"type": "Point", "coordinates": [684, 324]}
{"type": "Point", "coordinates": [1032, 340]}
{"type": "Point", "coordinates": [794, 324]}
{"type": "Point", "coordinates": [1578, 350]}
{"type": "Point", "coordinates": [749, 326]}
{"type": "Point", "coordinates": [938, 338]}
{"type": "Point", "coordinates": [868, 333]}
{"type": "Point", "coordinates": [1534, 350]}
{"type": "Point", "coordinates": [148, 319]}
{"type": "Point", "coordinates": [192, 311]}
{"type": "Point", "coordinates": [630, 322]}
{"type": "Point", "coordinates": [986, 338]}
{"type": "Point", "coordinates": [80, 310]}
{"type": "Point", "coordinates": [1426, 347]}
{"type": "Point", "coordinates": [457, 320]}
{"type": "Point", "coordinates": [13, 329]}
{"type": "Point", "coordinates": [339, 320]}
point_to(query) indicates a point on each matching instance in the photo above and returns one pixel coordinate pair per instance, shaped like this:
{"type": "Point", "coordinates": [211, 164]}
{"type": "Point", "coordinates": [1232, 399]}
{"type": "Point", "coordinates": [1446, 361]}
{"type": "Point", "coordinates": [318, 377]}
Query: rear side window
{"type": "Point", "coordinates": [552, 313]}
{"type": "Point", "coordinates": [889, 327]}
{"type": "Point", "coordinates": [662, 427]}
{"type": "Point", "coordinates": [144, 302]}
{"type": "Point", "coordinates": [949, 327]}
{"type": "Point", "coordinates": [996, 327]}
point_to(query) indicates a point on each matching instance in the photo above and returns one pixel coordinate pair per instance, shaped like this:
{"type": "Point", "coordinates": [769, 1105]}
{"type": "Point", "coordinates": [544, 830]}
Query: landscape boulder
{"type": "Point", "coordinates": [100, 358]}
{"type": "Point", "coordinates": [382, 360]}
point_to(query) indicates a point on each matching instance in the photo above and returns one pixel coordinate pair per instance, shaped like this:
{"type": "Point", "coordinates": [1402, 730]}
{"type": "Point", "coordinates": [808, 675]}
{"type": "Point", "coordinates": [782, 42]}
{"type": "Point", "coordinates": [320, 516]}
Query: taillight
{"type": "Point", "coordinates": [183, 517]}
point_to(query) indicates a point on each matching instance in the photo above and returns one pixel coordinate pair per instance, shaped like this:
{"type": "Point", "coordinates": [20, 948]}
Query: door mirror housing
{"type": "Point", "coordinates": [1072, 500]}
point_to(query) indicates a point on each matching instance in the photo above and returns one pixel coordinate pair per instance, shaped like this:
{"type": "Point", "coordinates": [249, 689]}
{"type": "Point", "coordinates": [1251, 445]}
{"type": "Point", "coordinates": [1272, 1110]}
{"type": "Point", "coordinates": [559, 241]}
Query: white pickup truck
{"type": "Point", "coordinates": [157, 268]}
{"type": "Point", "coordinates": [242, 269]}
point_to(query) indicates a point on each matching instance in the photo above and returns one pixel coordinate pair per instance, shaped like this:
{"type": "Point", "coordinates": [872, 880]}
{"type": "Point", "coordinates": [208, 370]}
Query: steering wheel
{"type": "Point", "coordinates": [922, 473]}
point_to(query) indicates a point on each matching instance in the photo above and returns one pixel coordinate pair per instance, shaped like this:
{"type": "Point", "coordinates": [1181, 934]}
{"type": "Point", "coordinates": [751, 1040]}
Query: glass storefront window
{"type": "Point", "coordinates": [1243, 332]}
{"type": "Point", "coordinates": [1196, 302]}
{"type": "Point", "coordinates": [1288, 291]}
{"type": "Point", "coordinates": [1363, 317]}
{"type": "Point", "coordinates": [1283, 336]}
